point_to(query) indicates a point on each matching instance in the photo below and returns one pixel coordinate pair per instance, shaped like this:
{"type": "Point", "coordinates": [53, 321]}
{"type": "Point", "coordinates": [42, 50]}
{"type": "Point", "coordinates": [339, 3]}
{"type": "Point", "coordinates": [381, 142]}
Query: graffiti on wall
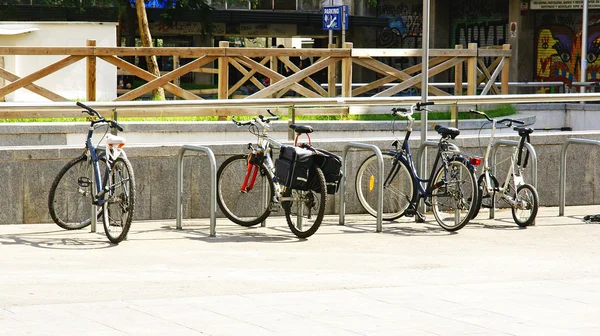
{"type": "Point", "coordinates": [558, 50]}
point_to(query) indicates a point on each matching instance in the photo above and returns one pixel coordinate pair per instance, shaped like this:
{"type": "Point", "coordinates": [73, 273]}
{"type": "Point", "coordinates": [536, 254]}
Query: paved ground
{"type": "Point", "coordinates": [491, 278]}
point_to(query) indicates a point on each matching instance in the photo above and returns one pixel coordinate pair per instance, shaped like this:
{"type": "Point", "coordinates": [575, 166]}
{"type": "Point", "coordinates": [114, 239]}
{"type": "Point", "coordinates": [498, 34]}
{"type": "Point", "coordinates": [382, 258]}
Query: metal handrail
{"type": "Point", "coordinates": [513, 143]}
{"type": "Point", "coordinates": [156, 108]}
{"type": "Point", "coordinates": [213, 185]}
{"type": "Point", "coordinates": [563, 169]}
{"type": "Point", "coordinates": [378, 187]}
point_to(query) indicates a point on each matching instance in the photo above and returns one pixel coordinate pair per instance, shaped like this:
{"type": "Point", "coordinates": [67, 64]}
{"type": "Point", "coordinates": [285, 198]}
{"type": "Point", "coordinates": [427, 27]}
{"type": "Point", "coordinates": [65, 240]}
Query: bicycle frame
{"type": "Point", "coordinates": [488, 175]}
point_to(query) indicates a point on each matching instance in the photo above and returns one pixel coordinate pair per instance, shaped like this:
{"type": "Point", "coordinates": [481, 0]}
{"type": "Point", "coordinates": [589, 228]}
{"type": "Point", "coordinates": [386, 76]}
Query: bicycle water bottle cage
{"type": "Point", "coordinates": [301, 129]}
{"type": "Point", "coordinates": [447, 132]}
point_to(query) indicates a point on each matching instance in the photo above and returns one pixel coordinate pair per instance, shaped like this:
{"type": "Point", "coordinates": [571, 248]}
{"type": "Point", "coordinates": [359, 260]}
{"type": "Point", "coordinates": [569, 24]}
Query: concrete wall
{"type": "Point", "coordinates": [69, 82]}
{"type": "Point", "coordinates": [28, 172]}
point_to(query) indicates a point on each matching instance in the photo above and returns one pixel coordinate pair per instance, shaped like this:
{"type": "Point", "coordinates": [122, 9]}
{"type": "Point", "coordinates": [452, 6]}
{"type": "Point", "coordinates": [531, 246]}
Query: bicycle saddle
{"type": "Point", "coordinates": [523, 130]}
{"type": "Point", "coordinates": [302, 129]}
{"type": "Point", "coordinates": [114, 140]}
{"type": "Point", "coordinates": [445, 131]}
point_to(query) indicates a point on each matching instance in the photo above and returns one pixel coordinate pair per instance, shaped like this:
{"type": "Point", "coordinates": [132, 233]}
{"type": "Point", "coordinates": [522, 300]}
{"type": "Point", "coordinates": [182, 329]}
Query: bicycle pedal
{"type": "Point", "coordinates": [84, 182]}
{"type": "Point", "coordinates": [409, 212]}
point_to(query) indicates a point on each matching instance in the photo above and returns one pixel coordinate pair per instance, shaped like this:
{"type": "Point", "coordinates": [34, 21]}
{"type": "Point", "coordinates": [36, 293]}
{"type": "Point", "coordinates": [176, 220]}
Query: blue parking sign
{"type": "Point", "coordinates": [332, 18]}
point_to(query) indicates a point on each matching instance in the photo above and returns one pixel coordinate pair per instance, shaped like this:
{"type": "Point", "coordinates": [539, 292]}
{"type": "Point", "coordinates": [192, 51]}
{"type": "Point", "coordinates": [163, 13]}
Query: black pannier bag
{"type": "Point", "coordinates": [331, 165]}
{"type": "Point", "coordinates": [293, 166]}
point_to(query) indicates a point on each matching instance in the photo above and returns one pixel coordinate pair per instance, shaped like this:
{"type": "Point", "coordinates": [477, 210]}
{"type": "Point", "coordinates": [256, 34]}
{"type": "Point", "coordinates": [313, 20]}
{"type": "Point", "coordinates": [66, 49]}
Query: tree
{"type": "Point", "coordinates": [146, 37]}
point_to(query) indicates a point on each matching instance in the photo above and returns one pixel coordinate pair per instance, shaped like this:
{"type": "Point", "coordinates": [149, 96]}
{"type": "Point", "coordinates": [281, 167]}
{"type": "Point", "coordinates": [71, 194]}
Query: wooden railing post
{"type": "Point", "coordinates": [223, 72]}
{"type": "Point", "coordinates": [472, 72]}
{"type": "Point", "coordinates": [177, 81]}
{"type": "Point", "coordinates": [505, 71]}
{"type": "Point", "coordinates": [91, 74]}
{"type": "Point", "coordinates": [347, 72]}
{"type": "Point", "coordinates": [458, 76]}
{"type": "Point", "coordinates": [1, 78]}
{"type": "Point", "coordinates": [331, 82]}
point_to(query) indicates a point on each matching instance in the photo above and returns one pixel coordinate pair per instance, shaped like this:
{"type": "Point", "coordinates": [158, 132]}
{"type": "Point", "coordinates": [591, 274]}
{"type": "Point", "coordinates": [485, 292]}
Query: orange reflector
{"type": "Point", "coordinates": [371, 183]}
{"type": "Point", "coordinates": [123, 144]}
{"type": "Point", "coordinates": [475, 161]}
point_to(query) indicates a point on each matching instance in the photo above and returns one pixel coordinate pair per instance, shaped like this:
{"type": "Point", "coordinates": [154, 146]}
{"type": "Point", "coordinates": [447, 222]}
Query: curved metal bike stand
{"type": "Point", "coordinates": [513, 143]}
{"type": "Point", "coordinates": [420, 157]}
{"type": "Point", "coordinates": [563, 168]}
{"type": "Point", "coordinates": [94, 218]}
{"type": "Point", "coordinates": [379, 186]}
{"type": "Point", "coordinates": [213, 185]}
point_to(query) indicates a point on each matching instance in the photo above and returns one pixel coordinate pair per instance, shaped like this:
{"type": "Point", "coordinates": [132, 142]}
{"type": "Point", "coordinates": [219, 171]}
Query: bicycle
{"type": "Point", "coordinates": [451, 189]}
{"type": "Point", "coordinates": [250, 186]}
{"type": "Point", "coordinates": [522, 197]}
{"type": "Point", "coordinates": [109, 171]}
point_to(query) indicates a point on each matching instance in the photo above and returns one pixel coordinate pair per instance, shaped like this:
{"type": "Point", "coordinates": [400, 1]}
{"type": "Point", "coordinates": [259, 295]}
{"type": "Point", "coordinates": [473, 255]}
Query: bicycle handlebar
{"type": "Point", "coordinates": [257, 120]}
{"type": "Point", "coordinates": [505, 121]}
{"type": "Point", "coordinates": [101, 119]}
{"type": "Point", "coordinates": [400, 111]}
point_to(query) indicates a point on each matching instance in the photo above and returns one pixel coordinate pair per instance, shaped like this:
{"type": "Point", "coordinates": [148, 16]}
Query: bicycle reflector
{"type": "Point", "coordinates": [475, 161]}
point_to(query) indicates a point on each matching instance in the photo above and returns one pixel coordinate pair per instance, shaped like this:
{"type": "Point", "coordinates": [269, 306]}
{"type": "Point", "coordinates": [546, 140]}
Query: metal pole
{"type": "Point", "coordinates": [584, 35]}
{"type": "Point", "coordinates": [424, 79]}
{"type": "Point", "coordinates": [331, 31]}
{"type": "Point", "coordinates": [343, 25]}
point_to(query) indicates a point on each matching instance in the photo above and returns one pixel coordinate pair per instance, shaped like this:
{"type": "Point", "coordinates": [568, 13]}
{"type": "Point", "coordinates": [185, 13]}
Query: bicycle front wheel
{"type": "Point", "coordinates": [526, 207]}
{"type": "Point", "coordinates": [119, 200]}
{"type": "Point", "coordinates": [70, 197]}
{"type": "Point", "coordinates": [454, 199]}
{"type": "Point", "coordinates": [246, 207]}
{"type": "Point", "coordinates": [304, 212]}
{"type": "Point", "coordinates": [398, 191]}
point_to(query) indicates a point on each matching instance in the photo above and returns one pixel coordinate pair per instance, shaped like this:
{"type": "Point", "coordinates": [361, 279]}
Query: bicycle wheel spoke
{"type": "Point", "coordinates": [453, 202]}
{"type": "Point", "coordinates": [119, 205]}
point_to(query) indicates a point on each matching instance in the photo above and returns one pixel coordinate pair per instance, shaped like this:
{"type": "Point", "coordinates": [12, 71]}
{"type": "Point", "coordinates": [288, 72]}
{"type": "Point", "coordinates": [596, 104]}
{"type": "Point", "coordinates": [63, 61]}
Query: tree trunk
{"type": "Point", "coordinates": [158, 94]}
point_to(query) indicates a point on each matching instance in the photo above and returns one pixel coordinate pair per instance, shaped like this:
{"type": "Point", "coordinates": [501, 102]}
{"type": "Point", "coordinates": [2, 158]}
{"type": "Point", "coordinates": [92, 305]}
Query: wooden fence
{"type": "Point", "coordinates": [256, 64]}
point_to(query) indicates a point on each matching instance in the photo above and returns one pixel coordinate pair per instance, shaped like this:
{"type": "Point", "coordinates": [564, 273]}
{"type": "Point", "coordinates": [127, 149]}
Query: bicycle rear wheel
{"type": "Point", "coordinates": [248, 207]}
{"type": "Point", "coordinates": [120, 200]}
{"type": "Point", "coordinates": [455, 198]}
{"type": "Point", "coordinates": [69, 199]}
{"type": "Point", "coordinates": [304, 213]}
{"type": "Point", "coordinates": [526, 207]}
{"type": "Point", "coordinates": [397, 193]}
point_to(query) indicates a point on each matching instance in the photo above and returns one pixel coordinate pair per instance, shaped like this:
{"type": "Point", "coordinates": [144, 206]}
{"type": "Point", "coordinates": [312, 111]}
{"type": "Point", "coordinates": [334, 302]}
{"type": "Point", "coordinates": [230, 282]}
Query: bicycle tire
{"type": "Point", "coordinates": [397, 196]}
{"type": "Point", "coordinates": [458, 191]}
{"type": "Point", "coordinates": [527, 199]}
{"type": "Point", "coordinates": [307, 200]}
{"type": "Point", "coordinates": [119, 204]}
{"type": "Point", "coordinates": [243, 208]}
{"type": "Point", "coordinates": [69, 202]}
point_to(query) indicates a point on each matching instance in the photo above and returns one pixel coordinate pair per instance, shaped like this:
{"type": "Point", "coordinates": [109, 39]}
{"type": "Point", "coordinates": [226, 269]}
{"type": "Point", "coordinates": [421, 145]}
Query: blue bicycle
{"type": "Point", "coordinates": [109, 171]}
{"type": "Point", "coordinates": [451, 188]}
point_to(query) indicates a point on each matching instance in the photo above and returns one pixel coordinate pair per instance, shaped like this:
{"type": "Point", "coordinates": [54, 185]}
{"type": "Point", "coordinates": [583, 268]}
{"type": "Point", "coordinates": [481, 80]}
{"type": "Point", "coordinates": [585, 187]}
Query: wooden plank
{"type": "Point", "coordinates": [472, 71]}
{"type": "Point", "coordinates": [485, 75]}
{"type": "Point", "coordinates": [373, 85]}
{"type": "Point", "coordinates": [491, 82]}
{"type": "Point", "coordinates": [331, 76]}
{"type": "Point", "coordinates": [317, 66]}
{"type": "Point", "coordinates": [187, 52]}
{"type": "Point", "coordinates": [33, 87]}
{"type": "Point", "coordinates": [29, 79]}
{"type": "Point", "coordinates": [91, 74]}
{"type": "Point", "coordinates": [347, 73]}
{"type": "Point", "coordinates": [417, 79]}
{"type": "Point", "coordinates": [73, 51]}
{"type": "Point", "coordinates": [247, 75]}
{"type": "Point", "coordinates": [494, 53]}
{"type": "Point", "coordinates": [386, 69]}
{"type": "Point", "coordinates": [145, 75]}
{"type": "Point", "coordinates": [458, 76]}
{"type": "Point", "coordinates": [505, 71]}
{"type": "Point", "coordinates": [223, 83]}
{"type": "Point", "coordinates": [308, 80]}
{"type": "Point", "coordinates": [161, 81]}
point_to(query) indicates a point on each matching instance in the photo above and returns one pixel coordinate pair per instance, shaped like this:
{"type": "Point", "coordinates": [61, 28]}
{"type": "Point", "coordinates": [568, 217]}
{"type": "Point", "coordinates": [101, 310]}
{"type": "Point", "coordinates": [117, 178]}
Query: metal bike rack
{"type": "Point", "coordinates": [513, 143]}
{"type": "Point", "coordinates": [379, 186]}
{"type": "Point", "coordinates": [94, 218]}
{"type": "Point", "coordinates": [563, 169]}
{"type": "Point", "coordinates": [420, 157]}
{"type": "Point", "coordinates": [213, 185]}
